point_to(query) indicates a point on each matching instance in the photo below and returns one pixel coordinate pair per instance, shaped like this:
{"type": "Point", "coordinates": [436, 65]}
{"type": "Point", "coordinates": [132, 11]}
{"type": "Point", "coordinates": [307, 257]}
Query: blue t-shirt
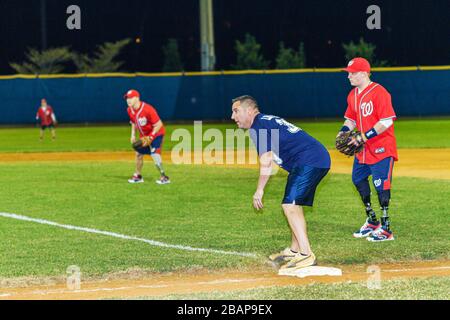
{"type": "Point", "coordinates": [290, 145]}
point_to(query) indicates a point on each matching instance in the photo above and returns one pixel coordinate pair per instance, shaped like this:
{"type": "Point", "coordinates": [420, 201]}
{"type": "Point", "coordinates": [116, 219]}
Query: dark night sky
{"type": "Point", "coordinates": [413, 32]}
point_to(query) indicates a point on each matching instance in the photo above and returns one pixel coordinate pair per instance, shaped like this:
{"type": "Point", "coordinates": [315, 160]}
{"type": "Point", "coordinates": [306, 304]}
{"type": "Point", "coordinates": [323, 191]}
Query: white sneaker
{"type": "Point", "coordinates": [136, 178]}
{"type": "Point", "coordinates": [163, 180]}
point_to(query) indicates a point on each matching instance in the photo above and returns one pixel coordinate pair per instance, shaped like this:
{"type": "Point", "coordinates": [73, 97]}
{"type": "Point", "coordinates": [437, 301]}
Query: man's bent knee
{"type": "Point", "coordinates": [289, 207]}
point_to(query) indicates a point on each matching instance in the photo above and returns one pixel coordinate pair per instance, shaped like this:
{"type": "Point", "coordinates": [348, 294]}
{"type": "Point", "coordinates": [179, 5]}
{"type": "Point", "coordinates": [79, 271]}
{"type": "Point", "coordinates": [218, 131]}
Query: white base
{"type": "Point", "coordinates": [311, 271]}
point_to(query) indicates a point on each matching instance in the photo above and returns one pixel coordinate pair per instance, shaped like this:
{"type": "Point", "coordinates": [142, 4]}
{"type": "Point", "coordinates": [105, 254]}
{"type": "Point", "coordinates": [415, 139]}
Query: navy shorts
{"type": "Point", "coordinates": [50, 126]}
{"type": "Point", "coordinates": [154, 147]}
{"type": "Point", "coordinates": [381, 173]}
{"type": "Point", "coordinates": [301, 185]}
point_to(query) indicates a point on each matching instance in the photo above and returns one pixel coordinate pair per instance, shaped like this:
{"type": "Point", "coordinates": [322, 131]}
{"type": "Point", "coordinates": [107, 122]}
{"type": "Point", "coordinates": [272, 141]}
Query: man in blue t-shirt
{"type": "Point", "coordinates": [307, 162]}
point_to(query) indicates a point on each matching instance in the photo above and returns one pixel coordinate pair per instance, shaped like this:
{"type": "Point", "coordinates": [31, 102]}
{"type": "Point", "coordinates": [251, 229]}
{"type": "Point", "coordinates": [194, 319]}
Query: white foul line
{"type": "Point", "coordinates": [122, 236]}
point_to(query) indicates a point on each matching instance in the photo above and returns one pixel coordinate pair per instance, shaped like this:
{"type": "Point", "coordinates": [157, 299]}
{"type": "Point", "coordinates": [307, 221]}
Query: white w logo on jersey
{"type": "Point", "coordinates": [367, 108]}
{"type": "Point", "coordinates": [142, 121]}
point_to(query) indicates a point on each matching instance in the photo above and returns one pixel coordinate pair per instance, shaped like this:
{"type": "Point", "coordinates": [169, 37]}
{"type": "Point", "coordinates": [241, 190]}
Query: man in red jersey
{"type": "Point", "coordinates": [48, 120]}
{"type": "Point", "coordinates": [145, 119]}
{"type": "Point", "coordinates": [369, 109]}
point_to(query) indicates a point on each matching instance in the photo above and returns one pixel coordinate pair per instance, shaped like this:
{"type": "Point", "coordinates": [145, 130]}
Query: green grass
{"type": "Point", "coordinates": [411, 289]}
{"type": "Point", "coordinates": [410, 133]}
{"type": "Point", "coordinates": [208, 207]}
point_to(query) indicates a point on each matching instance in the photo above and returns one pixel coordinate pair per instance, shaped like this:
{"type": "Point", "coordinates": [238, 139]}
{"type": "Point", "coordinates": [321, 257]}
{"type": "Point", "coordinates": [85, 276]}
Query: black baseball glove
{"type": "Point", "coordinates": [350, 142]}
{"type": "Point", "coordinates": [142, 143]}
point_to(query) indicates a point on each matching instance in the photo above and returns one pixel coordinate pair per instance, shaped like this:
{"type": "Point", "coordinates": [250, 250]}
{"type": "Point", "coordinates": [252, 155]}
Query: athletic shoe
{"type": "Point", "coordinates": [300, 261]}
{"type": "Point", "coordinates": [366, 230]}
{"type": "Point", "coordinates": [136, 178]}
{"type": "Point", "coordinates": [282, 256]}
{"type": "Point", "coordinates": [380, 235]}
{"type": "Point", "coordinates": [163, 180]}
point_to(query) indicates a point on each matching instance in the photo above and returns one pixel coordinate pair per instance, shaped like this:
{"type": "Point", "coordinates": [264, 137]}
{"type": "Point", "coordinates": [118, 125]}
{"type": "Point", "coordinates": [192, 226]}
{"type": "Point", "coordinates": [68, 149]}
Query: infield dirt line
{"type": "Point", "coordinates": [186, 283]}
{"type": "Point", "coordinates": [421, 163]}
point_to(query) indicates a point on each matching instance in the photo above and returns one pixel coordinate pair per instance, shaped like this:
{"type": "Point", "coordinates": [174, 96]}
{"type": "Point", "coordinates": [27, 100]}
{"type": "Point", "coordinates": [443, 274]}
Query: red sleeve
{"type": "Point", "coordinates": [350, 112]}
{"type": "Point", "coordinates": [385, 110]}
{"type": "Point", "coordinates": [152, 115]}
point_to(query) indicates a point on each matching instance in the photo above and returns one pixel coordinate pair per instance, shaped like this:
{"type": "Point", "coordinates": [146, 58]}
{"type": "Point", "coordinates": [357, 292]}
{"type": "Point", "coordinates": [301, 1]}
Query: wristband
{"type": "Point", "coordinates": [371, 134]}
{"type": "Point", "coordinates": [345, 129]}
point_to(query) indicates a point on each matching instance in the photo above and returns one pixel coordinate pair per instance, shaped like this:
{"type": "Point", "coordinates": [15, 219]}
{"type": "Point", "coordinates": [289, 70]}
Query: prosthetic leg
{"type": "Point", "coordinates": [371, 223]}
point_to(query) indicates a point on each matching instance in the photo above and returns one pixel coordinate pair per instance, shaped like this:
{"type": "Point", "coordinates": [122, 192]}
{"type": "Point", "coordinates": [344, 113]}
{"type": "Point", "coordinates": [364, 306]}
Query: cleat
{"type": "Point", "coordinates": [136, 178]}
{"type": "Point", "coordinates": [300, 261]}
{"type": "Point", "coordinates": [282, 256]}
{"type": "Point", "coordinates": [366, 230]}
{"type": "Point", "coordinates": [163, 180]}
{"type": "Point", "coordinates": [380, 235]}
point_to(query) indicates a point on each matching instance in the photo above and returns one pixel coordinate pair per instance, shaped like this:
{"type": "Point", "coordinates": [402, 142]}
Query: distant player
{"type": "Point", "coordinates": [370, 111]}
{"type": "Point", "coordinates": [145, 119]}
{"type": "Point", "coordinates": [47, 118]}
{"type": "Point", "coordinates": [307, 162]}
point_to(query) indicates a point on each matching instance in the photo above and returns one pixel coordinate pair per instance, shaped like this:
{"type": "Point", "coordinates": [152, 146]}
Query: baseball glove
{"type": "Point", "coordinates": [350, 142]}
{"type": "Point", "coordinates": [141, 143]}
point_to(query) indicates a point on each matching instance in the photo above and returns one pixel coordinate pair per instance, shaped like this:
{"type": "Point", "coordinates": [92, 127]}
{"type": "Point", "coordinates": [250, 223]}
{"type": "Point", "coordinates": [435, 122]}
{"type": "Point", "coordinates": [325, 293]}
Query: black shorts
{"type": "Point", "coordinates": [50, 126]}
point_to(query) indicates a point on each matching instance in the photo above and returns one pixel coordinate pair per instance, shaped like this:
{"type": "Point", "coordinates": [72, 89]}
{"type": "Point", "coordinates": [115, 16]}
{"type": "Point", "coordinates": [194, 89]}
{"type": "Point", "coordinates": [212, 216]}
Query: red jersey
{"type": "Point", "coordinates": [144, 118]}
{"type": "Point", "coordinates": [46, 115]}
{"type": "Point", "coordinates": [366, 108]}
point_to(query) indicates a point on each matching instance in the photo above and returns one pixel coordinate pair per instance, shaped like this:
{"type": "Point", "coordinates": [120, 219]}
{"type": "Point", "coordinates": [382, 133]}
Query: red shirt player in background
{"type": "Point", "coordinates": [145, 119]}
{"type": "Point", "coordinates": [369, 108]}
{"type": "Point", "coordinates": [48, 120]}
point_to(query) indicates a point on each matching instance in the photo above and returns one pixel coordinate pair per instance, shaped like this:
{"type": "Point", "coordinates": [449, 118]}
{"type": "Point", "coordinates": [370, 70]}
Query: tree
{"type": "Point", "coordinates": [363, 49]}
{"type": "Point", "coordinates": [48, 61]}
{"type": "Point", "coordinates": [103, 59]}
{"type": "Point", "coordinates": [172, 59]}
{"type": "Point", "coordinates": [248, 55]}
{"type": "Point", "coordinates": [289, 59]}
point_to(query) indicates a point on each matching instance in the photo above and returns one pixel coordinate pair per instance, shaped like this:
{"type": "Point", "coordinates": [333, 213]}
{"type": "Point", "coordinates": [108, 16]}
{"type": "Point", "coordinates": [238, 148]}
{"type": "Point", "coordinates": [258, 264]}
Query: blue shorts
{"type": "Point", "coordinates": [301, 185]}
{"type": "Point", "coordinates": [381, 173]}
{"type": "Point", "coordinates": [154, 147]}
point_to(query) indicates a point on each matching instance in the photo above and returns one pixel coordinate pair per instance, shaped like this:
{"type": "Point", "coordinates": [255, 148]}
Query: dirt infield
{"type": "Point", "coordinates": [421, 163]}
{"type": "Point", "coordinates": [190, 283]}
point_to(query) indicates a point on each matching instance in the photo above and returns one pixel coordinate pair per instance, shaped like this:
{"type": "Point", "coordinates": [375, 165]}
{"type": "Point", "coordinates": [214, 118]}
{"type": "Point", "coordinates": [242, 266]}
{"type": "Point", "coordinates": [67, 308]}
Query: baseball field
{"type": "Point", "coordinates": [67, 203]}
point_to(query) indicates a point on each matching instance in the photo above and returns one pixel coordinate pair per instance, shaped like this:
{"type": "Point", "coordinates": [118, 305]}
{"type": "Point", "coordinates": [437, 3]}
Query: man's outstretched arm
{"type": "Point", "coordinates": [265, 171]}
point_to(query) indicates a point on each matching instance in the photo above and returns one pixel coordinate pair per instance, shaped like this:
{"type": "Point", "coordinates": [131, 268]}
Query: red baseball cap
{"type": "Point", "coordinates": [358, 64]}
{"type": "Point", "coordinates": [131, 94]}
